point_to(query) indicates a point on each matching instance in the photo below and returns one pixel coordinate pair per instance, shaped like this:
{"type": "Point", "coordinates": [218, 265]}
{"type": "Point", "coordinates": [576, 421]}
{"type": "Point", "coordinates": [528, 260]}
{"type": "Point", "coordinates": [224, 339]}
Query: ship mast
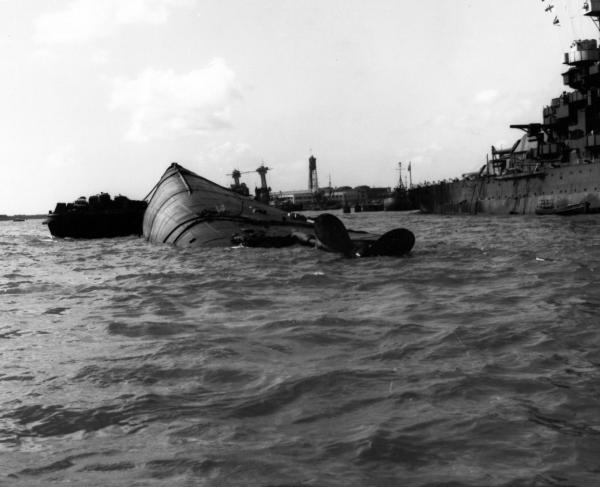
{"type": "Point", "coordinates": [400, 183]}
{"type": "Point", "coordinates": [593, 11]}
{"type": "Point", "coordinates": [263, 193]}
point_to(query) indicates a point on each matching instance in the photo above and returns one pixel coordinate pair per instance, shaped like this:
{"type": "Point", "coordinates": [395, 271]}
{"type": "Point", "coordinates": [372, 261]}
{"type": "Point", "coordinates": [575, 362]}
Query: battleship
{"type": "Point", "coordinates": [554, 167]}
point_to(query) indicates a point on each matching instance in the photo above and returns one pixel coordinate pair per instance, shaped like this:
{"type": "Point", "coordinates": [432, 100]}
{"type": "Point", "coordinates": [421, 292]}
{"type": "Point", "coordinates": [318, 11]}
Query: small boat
{"type": "Point", "coordinates": [100, 216]}
{"type": "Point", "coordinates": [187, 210]}
{"type": "Point", "coordinates": [547, 208]}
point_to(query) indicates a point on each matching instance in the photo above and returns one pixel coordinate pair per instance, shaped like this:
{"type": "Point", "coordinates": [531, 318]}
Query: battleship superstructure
{"type": "Point", "coordinates": [554, 167]}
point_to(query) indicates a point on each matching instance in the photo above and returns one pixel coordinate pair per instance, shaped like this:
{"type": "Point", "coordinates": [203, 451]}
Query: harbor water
{"type": "Point", "coordinates": [473, 362]}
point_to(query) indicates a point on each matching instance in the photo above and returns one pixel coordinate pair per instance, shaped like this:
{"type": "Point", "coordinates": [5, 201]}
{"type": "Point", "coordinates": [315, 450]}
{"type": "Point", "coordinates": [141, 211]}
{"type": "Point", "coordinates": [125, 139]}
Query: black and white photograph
{"type": "Point", "coordinates": [300, 243]}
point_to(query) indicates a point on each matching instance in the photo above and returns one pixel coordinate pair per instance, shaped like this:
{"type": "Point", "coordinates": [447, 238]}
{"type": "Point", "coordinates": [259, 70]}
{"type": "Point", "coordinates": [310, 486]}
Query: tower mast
{"type": "Point", "coordinates": [313, 183]}
{"type": "Point", "coordinates": [264, 192]}
{"type": "Point", "coordinates": [400, 182]}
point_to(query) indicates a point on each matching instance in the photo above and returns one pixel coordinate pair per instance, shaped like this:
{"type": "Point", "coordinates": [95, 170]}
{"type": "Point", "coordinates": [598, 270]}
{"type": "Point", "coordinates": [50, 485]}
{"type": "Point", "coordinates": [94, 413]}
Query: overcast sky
{"type": "Point", "coordinates": [101, 95]}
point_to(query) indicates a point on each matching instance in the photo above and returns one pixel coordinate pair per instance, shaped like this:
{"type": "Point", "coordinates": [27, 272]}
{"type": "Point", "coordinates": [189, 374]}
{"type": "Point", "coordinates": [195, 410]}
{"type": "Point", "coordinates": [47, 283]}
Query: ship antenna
{"type": "Point", "coordinates": [400, 183]}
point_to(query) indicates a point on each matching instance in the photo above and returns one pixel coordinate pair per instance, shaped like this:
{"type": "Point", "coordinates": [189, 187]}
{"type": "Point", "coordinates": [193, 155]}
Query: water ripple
{"type": "Point", "coordinates": [475, 361]}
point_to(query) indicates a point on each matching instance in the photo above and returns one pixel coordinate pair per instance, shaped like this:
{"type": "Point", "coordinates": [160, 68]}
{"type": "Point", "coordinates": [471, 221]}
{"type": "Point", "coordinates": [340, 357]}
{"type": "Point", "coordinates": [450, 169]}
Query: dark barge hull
{"type": "Point", "coordinates": [95, 224]}
{"type": "Point", "coordinates": [102, 217]}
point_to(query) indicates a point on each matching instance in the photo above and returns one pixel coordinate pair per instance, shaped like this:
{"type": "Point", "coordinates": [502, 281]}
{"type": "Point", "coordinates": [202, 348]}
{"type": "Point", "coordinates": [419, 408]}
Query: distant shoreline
{"type": "Point", "coordinates": [7, 218]}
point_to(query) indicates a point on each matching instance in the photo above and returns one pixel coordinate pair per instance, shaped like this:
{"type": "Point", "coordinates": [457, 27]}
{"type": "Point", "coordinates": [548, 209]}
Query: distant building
{"type": "Point", "coordinates": [344, 194]}
{"type": "Point", "coordinates": [366, 193]}
{"type": "Point", "coordinates": [315, 197]}
{"type": "Point", "coordinates": [300, 197]}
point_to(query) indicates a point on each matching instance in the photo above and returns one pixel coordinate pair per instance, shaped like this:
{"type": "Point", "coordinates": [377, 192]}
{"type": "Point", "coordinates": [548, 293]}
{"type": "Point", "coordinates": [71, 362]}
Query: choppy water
{"type": "Point", "coordinates": [474, 362]}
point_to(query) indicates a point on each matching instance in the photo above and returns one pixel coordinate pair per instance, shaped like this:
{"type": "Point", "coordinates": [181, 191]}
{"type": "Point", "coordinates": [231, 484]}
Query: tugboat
{"type": "Point", "coordinates": [554, 168]}
{"type": "Point", "coordinates": [100, 216]}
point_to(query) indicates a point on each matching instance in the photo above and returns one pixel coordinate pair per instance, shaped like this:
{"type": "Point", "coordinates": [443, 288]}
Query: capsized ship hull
{"type": "Point", "coordinates": [552, 187]}
{"type": "Point", "coordinates": [185, 209]}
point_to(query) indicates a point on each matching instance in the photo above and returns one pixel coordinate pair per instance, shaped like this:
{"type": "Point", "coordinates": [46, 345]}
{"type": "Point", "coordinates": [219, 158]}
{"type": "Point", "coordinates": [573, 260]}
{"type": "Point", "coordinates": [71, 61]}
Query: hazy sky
{"type": "Point", "coordinates": [101, 95]}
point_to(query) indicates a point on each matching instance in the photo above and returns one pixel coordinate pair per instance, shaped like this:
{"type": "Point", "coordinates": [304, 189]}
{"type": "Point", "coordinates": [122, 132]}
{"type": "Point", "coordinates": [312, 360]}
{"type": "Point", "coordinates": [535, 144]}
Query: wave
{"type": "Point", "coordinates": [472, 362]}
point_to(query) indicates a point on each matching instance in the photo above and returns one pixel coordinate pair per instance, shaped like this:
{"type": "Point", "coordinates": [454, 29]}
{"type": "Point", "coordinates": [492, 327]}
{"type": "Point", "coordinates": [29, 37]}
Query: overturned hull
{"type": "Point", "coordinates": [185, 209]}
{"type": "Point", "coordinates": [559, 187]}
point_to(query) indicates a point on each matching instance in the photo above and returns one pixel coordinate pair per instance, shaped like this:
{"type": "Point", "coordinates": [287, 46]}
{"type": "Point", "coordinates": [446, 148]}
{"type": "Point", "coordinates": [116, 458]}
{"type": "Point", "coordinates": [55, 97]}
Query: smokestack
{"type": "Point", "coordinates": [313, 184]}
